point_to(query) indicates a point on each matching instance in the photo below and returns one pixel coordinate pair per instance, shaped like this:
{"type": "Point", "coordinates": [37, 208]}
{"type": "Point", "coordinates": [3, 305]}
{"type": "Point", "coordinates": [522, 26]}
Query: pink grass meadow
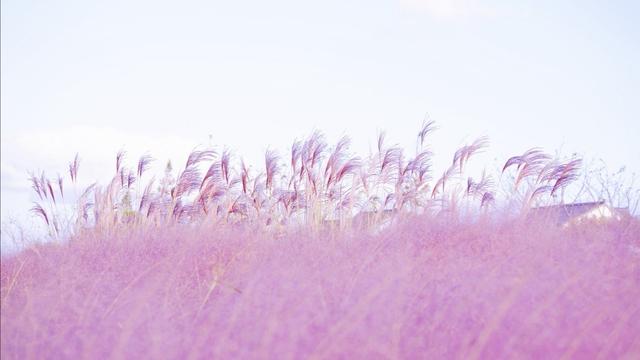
{"type": "Point", "coordinates": [422, 288]}
{"type": "Point", "coordinates": [329, 256]}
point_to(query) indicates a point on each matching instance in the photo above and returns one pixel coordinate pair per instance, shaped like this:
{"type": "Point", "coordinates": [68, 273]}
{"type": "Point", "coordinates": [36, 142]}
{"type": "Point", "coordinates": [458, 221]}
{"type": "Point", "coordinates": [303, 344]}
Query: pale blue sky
{"type": "Point", "coordinates": [94, 77]}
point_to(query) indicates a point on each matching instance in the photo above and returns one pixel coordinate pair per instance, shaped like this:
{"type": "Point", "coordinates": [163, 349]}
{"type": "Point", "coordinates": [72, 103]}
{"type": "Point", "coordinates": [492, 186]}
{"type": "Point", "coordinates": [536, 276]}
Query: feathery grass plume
{"type": "Point", "coordinates": [527, 170]}
{"type": "Point", "coordinates": [470, 185]}
{"type": "Point", "coordinates": [388, 201]}
{"type": "Point", "coordinates": [143, 164]}
{"type": "Point", "coordinates": [364, 176]}
{"type": "Point", "coordinates": [312, 150]}
{"type": "Point", "coordinates": [151, 209]}
{"type": "Point", "coordinates": [529, 164]}
{"type": "Point", "coordinates": [50, 188]}
{"type": "Point", "coordinates": [550, 175]}
{"type": "Point", "coordinates": [271, 167]}
{"type": "Point", "coordinates": [214, 174]}
{"type": "Point", "coordinates": [43, 184]}
{"type": "Point", "coordinates": [567, 173]}
{"type": "Point", "coordinates": [539, 191]}
{"type": "Point", "coordinates": [481, 187]}
{"type": "Point", "coordinates": [198, 156]}
{"type": "Point", "coordinates": [131, 178]}
{"type": "Point", "coordinates": [107, 205]}
{"type": "Point", "coordinates": [421, 164]}
{"type": "Point", "coordinates": [60, 186]}
{"type": "Point", "coordinates": [123, 177]}
{"type": "Point", "coordinates": [381, 137]}
{"type": "Point", "coordinates": [188, 181]}
{"type": "Point", "coordinates": [212, 191]}
{"type": "Point", "coordinates": [239, 209]}
{"type": "Point", "coordinates": [487, 198]}
{"type": "Point", "coordinates": [178, 209]}
{"type": "Point", "coordinates": [460, 159]}
{"type": "Point", "coordinates": [224, 165]}
{"type": "Point", "coordinates": [391, 160]}
{"type": "Point", "coordinates": [167, 182]}
{"type": "Point", "coordinates": [548, 172]}
{"type": "Point", "coordinates": [99, 207]}
{"type": "Point", "coordinates": [73, 168]}
{"type": "Point", "coordinates": [319, 146]}
{"type": "Point", "coordinates": [296, 150]}
{"type": "Point", "coordinates": [391, 166]}
{"type": "Point", "coordinates": [146, 195]}
{"type": "Point", "coordinates": [336, 159]}
{"type": "Point", "coordinates": [35, 185]}
{"type": "Point", "coordinates": [349, 167]}
{"type": "Point", "coordinates": [441, 183]}
{"type": "Point", "coordinates": [40, 186]}
{"type": "Point", "coordinates": [84, 205]}
{"type": "Point", "coordinates": [462, 155]}
{"type": "Point", "coordinates": [39, 210]}
{"type": "Point", "coordinates": [244, 176]}
{"type": "Point", "coordinates": [56, 226]}
{"type": "Point", "coordinates": [120, 156]}
{"type": "Point", "coordinates": [520, 160]}
{"type": "Point", "coordinates": [427, 127]}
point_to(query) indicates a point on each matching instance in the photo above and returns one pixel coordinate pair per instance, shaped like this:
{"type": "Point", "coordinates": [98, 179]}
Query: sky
{"type": "Point", "coordinates": [94, 77]}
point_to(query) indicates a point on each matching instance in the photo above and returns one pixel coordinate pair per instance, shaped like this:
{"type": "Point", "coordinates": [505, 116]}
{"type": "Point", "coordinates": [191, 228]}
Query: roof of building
{"type": "Point", "coordinates": [565, 212]}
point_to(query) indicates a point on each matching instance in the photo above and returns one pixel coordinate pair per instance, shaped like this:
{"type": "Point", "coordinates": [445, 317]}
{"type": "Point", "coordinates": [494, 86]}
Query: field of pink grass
{"type": "Point", "coordinates": [331, 256]}
{"type": "Point", "coordinates": [422, 288]}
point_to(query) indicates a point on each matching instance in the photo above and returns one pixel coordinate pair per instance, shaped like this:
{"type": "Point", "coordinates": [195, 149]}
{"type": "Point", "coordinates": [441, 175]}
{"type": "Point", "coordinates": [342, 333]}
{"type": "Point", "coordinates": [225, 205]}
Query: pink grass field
{"type": "Point", "coordinates": [332, 256]}
{"type": "Point", "coordinates": [425, 287]}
